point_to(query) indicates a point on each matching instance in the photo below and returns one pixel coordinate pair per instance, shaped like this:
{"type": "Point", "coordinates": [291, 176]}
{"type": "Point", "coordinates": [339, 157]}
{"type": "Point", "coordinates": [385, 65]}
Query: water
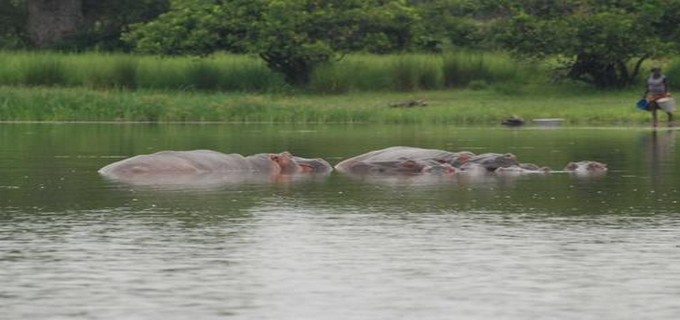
{"type": "Point", "coordinates": [75, 246]}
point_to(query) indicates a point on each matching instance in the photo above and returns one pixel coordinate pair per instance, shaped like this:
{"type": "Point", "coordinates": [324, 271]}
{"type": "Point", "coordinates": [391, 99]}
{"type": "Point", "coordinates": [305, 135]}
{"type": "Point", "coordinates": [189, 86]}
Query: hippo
{"type": "Point", "coordinates": [522, 169]}
{"type": "Point", "coordinates": [400, 166]}
{"type": "Point", "coordinates": [208, 162]}
{"type": "Point", "coordinates": [491, 161]}
{"type": "Point", "coordinates": [404, 160]}
{"type": "Point", "coordinates": [586, 166]}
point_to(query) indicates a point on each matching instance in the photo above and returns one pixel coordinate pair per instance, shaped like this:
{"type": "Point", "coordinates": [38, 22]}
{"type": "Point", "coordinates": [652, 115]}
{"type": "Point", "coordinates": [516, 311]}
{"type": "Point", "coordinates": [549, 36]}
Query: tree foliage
{"type": "Point", "coordinates": [602, 42]}
{"type": "Point", "coordinates": [85, 24]}
{"type": "Point", "coordinates": [13, 19]}
{"type": "Point", "coordinates": [291, 36]}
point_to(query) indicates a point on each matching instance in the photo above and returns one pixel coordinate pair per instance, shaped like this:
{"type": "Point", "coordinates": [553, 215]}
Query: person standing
{"type": "Point", "coordinates": [657, 88]}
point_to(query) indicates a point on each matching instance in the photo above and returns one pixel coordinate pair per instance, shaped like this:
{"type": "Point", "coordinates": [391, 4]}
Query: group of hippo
{"type": "Point", "coordinates": [390, 161]}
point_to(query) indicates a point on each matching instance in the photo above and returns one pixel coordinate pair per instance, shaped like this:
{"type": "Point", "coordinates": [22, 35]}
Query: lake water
{"type": "Point", "coordinates": [76, 246]}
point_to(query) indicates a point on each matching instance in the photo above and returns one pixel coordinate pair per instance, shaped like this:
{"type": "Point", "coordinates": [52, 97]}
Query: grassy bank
{"type": "Point", "coordinates": [460, 88]}
{"type": "Point", "coordinates": [463, 107]}
{"type": "Point", "coordinates": [241, 73]}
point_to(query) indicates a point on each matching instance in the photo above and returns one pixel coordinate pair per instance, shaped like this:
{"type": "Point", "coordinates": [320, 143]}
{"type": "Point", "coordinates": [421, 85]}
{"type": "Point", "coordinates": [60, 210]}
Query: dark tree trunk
{"type": "Point", "coordinates": [51, 20]}
{"type": "Point", "coordinates": [601, 72]}
{"type": "Point", "coordinates": [297, 71]}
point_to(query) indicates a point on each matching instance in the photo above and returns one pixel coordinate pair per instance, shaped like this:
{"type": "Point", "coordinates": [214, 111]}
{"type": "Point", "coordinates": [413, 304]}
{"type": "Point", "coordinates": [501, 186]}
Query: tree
{"type": "Point", "coordinates": [72, 24]}
{"type": "Point", "coordinates": [460, 23]}
{"type": "Point", "coordinates": [12, 24]}
{"type": "Point", "coordinates": [292, 36]}
{"type": "Point", "coordinates": [105, 20]}
{"type": "Point", "coordinates": [52, 20]}
{"type": "Point", "coordinates": [601, 42]}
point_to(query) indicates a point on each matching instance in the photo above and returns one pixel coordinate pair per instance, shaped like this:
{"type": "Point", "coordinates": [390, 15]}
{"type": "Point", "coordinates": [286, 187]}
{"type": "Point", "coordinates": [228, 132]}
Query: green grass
{"type": "Point", "coordinates": [109, 71]}
{"type": "Point", "coordinates": [465, 88]}
{"type": "Point", "coordinates": [241, 73]}
{"type": "Point", "coordinates": [451, 107]}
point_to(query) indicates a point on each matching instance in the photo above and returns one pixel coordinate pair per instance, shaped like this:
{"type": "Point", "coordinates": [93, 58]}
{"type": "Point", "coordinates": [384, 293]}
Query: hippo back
{"type": "Point", "coordinates": [180, 162]}
{"type": "Point", "coordinates": [397, 155]}
{"type": "Point", "coordinates": [493, 161]}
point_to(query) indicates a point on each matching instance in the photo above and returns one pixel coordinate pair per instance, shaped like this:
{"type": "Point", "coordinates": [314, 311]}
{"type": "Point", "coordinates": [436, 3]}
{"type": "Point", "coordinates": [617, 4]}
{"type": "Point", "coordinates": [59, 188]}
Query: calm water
{"type": "Point", "coordinates": [75, 246]}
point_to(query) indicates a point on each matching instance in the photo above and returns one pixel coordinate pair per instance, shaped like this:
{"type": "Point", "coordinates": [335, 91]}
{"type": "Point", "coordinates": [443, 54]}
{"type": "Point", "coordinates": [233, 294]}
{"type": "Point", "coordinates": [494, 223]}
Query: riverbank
{"type": "Point", "coordinates": [461, 106]}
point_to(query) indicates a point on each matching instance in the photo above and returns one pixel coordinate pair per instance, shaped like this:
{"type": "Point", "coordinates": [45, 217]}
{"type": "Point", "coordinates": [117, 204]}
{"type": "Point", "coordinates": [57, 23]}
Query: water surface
{"type": "Point", "coordinates": [76, 246]}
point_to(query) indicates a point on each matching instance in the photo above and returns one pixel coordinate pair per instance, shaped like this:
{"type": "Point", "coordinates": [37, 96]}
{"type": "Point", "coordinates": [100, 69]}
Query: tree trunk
{"type": "Point", "coordinates": [51, 20]}
{"type": "Point", "coordinates": [297, 71]}
{"type": "Point", "coordinates": [600, 72]}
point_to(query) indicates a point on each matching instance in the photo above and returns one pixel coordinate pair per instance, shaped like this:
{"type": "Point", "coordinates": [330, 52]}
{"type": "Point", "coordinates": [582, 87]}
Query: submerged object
{"type": "Point", "coordinates": [548, 122]}
{"type": "Point", "coordinates": [513, 121]}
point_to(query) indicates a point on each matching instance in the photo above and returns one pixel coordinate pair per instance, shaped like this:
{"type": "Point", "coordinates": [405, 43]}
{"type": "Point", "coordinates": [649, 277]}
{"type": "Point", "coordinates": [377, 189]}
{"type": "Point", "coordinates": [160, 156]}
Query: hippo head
{"type": "Point", "coordinates": [289, 164]}
{"type": "Point", "coordinates": [457, 159]}
{"type": "Point", "coordinates": [493, 161]}
{"type": "Point", "coordinates": [437, 167]}
{"type": "Point", "coordinates": [586, 166]}
{"type": "Point", "coordinates": [313, 165]}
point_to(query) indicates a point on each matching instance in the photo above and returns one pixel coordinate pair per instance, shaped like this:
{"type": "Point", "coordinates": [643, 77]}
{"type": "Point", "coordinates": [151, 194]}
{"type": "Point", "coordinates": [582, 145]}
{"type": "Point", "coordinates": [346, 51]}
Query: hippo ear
{"type": "Point", "coordinates": [596, 166]}
{"type": "Point", "coordinates": [571, 166]}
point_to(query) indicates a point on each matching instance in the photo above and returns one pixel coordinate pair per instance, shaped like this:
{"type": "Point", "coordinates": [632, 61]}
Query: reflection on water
{"type": "Point", "coordinates": [208, 181]}
{"type": "Point", "coordinates": [661, 147]}
{"type": "Point", "coordinates": [74, 245]}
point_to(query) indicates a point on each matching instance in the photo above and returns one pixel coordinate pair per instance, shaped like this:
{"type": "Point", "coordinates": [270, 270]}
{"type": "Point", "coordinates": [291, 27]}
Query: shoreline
{"type": "Point", "coordinates": [444, 107]}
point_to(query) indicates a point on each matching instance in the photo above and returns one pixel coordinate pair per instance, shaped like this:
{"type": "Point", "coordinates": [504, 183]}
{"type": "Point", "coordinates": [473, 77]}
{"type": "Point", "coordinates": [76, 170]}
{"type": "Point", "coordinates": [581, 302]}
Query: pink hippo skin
{"type": "Point", "coordinates": [400, 160]}
{"type": "Point", "coordinates": [207, 162]}
{"type": "Point", "coordinates": [491, 161]}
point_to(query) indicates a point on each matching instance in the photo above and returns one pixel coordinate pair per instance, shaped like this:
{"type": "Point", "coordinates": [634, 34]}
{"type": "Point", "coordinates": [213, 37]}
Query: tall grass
{"type": "Point", "coordinates": [414, 72]}
{"type": "Point", "coordinates": [98, 70]}
{"type": "Point", "coordinates": [463, 67]}
{"type": "Point", "coordinates": [241, 73]}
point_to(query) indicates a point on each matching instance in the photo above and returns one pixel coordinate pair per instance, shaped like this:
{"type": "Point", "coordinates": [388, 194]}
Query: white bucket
{"type": "Point", "coordinates": [667, 104]}
{"type": "Point", "coordinates": [548, 122]}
